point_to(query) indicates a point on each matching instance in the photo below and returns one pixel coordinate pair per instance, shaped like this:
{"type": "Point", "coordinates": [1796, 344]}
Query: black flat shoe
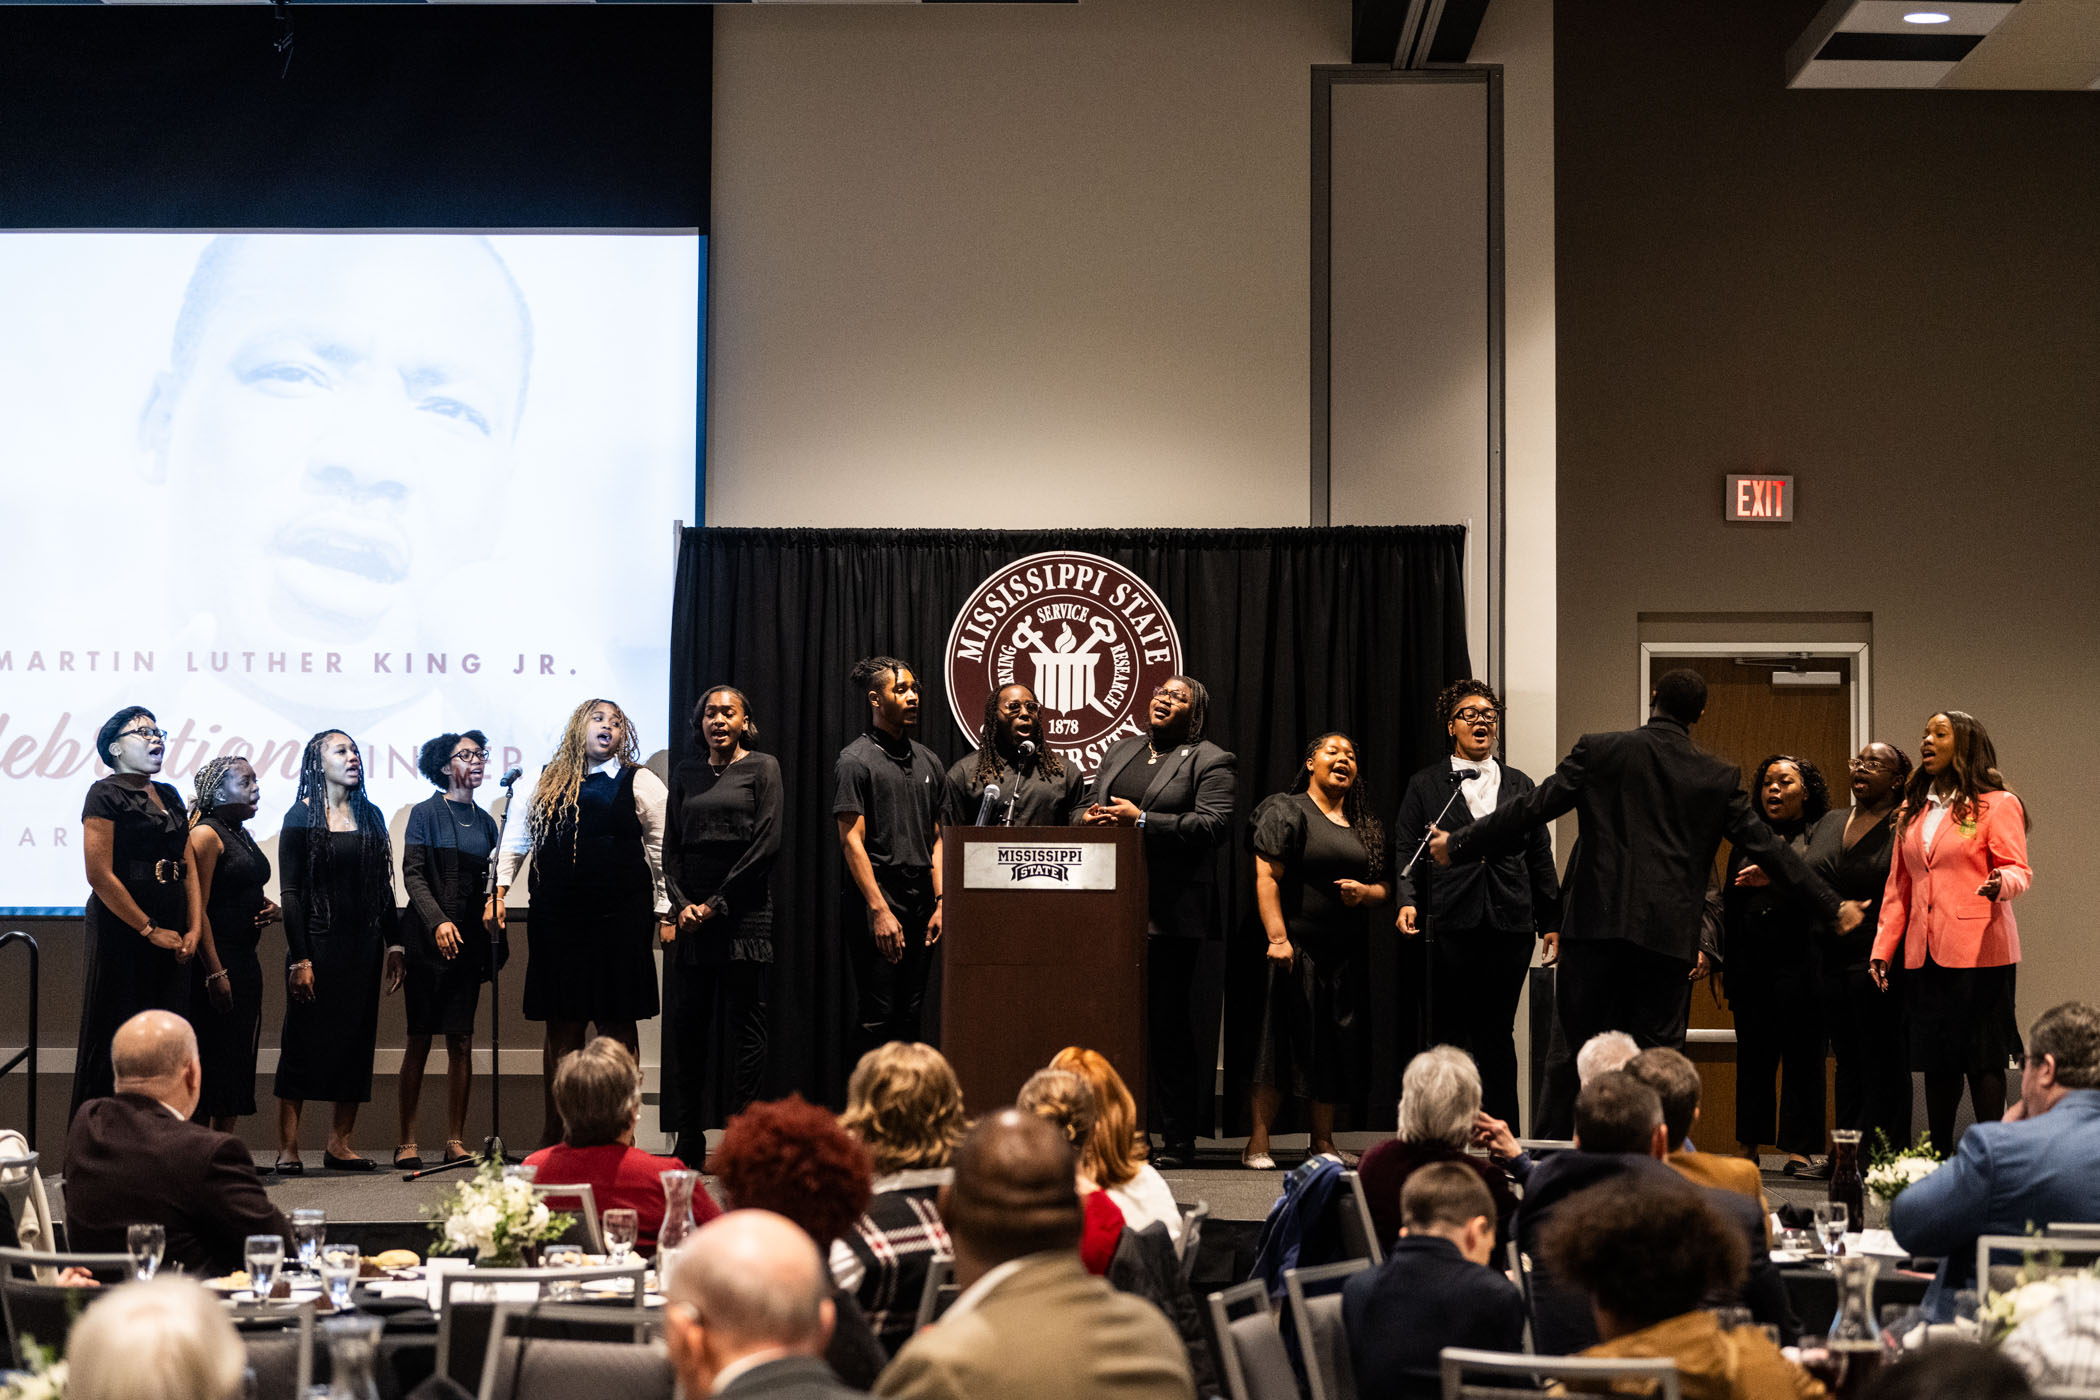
{"type": "Point", "coordinates": [348, 1164]}
{"type": "Point", "coordinates": [413, 1162]}
{"type": "Point", "coordinates": [295, 1167]}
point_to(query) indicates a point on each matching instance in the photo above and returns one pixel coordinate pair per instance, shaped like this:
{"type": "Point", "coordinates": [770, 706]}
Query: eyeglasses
{"type": "Point", "coordinates": [149, 732]}
{"type": "Point", "coordinates": [471, 756]}
{"type": "Point", "coordinates": [1868, 765]}
{"type": "Point", "coordinates": [1473, 714]}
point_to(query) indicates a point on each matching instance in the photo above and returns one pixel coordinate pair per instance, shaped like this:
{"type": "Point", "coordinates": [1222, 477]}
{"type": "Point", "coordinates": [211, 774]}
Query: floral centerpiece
{"type": "Point", "coordinates": [2042, 1283]}
{"type": "Point", "coordinates": [496, 1216]}
{"type": "Point", "coordinates": [1890, 1170]}
{"type": "Point", "coordinates": [42, 1377]}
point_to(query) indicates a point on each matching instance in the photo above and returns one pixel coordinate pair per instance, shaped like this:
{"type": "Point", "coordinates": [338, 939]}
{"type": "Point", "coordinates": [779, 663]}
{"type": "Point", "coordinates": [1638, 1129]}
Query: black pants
{"type": "Point", "coordinates": [1872, 1046]}
{"type": "Point", "coordinates": [715, 1029]}
{"type": "Point", "coordinates": [1476, 978]}
{"type": "Point", "coordinates": [1778, 1032]}
{"type": "Point", "coordinates": [1609, 984]}
{"type": "Point", "coordinates": [1171, 1040]}
{"type": "Point", "coordinates": [890, 996]}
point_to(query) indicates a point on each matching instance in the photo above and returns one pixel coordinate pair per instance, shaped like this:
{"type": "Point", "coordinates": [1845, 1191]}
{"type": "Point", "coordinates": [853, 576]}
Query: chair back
{"type": "Point", "coordinates": [557, 1195]}
{"type": "Point", "coordinates": [570, 1352]}
{"type": "Point", "coordinates": [468, 1298]}
{"type": "Point", "coordinates": [2080, 1228]}
{"type": "Point", "coordinates": [1257, 1367]}
{"type": "Point", "coordinates": [1316, 1313]}
{"type": "Point", "coordinates": [2050, 1240]}
{"type": "Point", "coordinates": [26, 1201]}
{"type": "Point", "coordinates": [1192, 1218]}
{"type": "Point", "coordinates": [938, 1293]}
{"type": "Point", "coordinates": [44, 1310]}
{"type": "Point", "coordinates": [280, 1346]}
{"type": "Point", "coordinates": [1520, 1275]}
{"type": "Point", "coordinates": [1359, 1236]}
{"type": "Point", "coordinates": [1523, 1374]}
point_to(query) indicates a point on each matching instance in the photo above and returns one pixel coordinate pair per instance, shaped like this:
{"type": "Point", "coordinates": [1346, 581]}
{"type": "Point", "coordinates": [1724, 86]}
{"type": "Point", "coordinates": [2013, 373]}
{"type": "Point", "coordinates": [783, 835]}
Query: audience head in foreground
{"type": "Point", "coordinates": [1951, 1370]}
{"type": "Point", "coordinates": [1617, 1113]}
{"type": "Point", "coordinates": [1115, 1149]}
{"type": "Point", "coordinates": [1601, 1054]}
{"type": "Point", "coordinates": [155, 1054]}
{"type": "Point", "coordinates": [166, 1339]}
{"type": "Point", "coordinates": [904, 1104]}
{"type": "Point", "coordinates": [1447, 1201]}
{"type": "Point", "coordinates": [791, 1157]}
{"type": "Point", "coordinates": [750, 1297]}
{"type": "Point", "coordinates": [1013, 1194]}
{"type": "Point", "coordinates": [1439, 1097]}
{"type": "Point", "coordinates": [598, 1093]}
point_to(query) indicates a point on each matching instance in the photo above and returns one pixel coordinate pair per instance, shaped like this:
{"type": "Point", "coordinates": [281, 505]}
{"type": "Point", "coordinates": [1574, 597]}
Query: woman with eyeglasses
{"type": "Point", "coordinates": [1483, 916]}
{"type": "Point", "coordinates": [144, 914]}
{"type": "Point", "coordinates": [1851, 850]}
{"type": "Point", "coordinates": [445, 930]}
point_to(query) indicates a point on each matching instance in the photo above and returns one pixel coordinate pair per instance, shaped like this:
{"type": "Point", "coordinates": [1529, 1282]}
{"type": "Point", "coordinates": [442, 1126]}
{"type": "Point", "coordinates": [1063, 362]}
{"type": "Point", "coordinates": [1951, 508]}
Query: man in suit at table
{"type": "Point", "coordinates": [135, 1158]}
{"type": "Point", "coordinates": [1675, 1080]}
{"type": "Point", "coordinates": [749, 1312]}
{"type": "Point", "coordinates": [1177, 788]}
{"type": "Point", "coordinates": [1652, 809]}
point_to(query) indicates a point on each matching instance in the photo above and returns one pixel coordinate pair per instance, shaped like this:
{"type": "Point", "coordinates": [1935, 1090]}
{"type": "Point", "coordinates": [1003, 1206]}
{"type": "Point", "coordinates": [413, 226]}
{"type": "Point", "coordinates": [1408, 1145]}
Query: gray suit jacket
{"type": "Point", "coordinates": [1188, 814]}
{"type": "Point", "coordinates": [791, 1378]}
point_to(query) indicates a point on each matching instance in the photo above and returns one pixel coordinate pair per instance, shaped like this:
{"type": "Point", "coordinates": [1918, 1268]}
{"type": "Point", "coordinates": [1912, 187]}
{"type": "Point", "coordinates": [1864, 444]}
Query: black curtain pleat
{"type": "Point", "coordinates": [1295, 632]}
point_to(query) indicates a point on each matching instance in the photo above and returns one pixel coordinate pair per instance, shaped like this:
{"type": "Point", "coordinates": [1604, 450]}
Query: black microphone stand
{"type": "Point", "coordinates": [492, 1145]}
{"type": "Point", "coordinates": [1458, 776]}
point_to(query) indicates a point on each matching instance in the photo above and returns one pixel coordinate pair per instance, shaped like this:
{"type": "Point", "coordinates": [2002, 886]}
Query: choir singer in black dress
{"type": "Point", "coordinates": [145, 915]}
{"type": "Point", "coordinates": [227, 996]}
{"type": "Point", "coordinates": [445, 932]}
{"type": "Point", "coordinates": [1036, 787]}
{"type": "Point", "coordinates": [336, 877]}
{"type": "Point", "coordinates": [1177, 788]}
{"type": "Point", "coordinates": [1483, 916]}
{"type": "Point", "coordinates": [721, 839]}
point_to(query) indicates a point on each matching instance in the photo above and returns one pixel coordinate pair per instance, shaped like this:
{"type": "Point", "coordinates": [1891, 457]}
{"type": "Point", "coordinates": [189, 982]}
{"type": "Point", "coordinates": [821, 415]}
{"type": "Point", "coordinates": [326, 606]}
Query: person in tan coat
{"type": "Point", "coordinates": [1676, 1079]}
{"type": "Point", "coordinates": [1031, 1323]}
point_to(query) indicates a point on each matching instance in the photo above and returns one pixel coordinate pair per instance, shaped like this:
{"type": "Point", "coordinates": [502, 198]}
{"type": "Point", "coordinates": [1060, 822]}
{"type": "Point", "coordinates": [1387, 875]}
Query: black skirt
{"type": "Point", "coordinates": [1962, 1019]}
{"type": "Point", "coordinates": [1311, 1043]}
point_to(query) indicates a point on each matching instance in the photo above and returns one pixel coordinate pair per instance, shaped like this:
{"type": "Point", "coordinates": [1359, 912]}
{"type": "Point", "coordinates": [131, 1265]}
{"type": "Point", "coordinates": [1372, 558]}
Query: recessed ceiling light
{"type": "Point", "coordinates": [1926, 17]}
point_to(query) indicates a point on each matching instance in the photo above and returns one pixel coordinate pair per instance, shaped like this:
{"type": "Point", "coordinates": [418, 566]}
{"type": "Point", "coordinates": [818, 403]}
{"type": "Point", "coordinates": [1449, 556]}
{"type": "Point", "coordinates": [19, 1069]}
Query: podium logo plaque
{"type": "Point", "coordinates": [1029, 865]}
{"type": "Point", "coordinates": [1087, 635]}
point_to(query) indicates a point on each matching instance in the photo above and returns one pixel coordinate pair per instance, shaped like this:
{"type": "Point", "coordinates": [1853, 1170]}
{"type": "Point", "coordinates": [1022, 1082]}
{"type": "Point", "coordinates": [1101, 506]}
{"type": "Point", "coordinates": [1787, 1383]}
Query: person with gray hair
{"type": "Point", "coordinates": [1439, 1105]}
{"type": "Point", "coordinates": [165, 1339]}
{"type": "Point", "coordinates": [750, 1311]}
{"type": "Point", "coordinates": [1601, 1054]}
{"type": "Point", "coordinates": [135, 1158]}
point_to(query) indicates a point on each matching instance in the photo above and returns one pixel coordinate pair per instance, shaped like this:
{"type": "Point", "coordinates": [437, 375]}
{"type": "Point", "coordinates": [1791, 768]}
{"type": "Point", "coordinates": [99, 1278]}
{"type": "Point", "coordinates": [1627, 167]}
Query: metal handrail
{"type": "Point", "coordinates": [28, 1051]}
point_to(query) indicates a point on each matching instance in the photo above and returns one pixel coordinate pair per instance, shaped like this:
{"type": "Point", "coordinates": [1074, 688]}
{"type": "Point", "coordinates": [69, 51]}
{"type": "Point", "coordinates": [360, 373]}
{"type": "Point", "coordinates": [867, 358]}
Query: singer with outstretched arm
{"type": "Point", "coordinates": [1482, 917]}
{"type": "Point", "coordinates": [1032, 785]}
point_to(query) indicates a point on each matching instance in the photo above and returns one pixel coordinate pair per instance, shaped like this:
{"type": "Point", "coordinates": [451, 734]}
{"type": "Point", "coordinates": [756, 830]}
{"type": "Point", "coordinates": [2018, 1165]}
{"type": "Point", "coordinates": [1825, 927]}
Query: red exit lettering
{"type": "Point", "coordinates": [1760, 498]}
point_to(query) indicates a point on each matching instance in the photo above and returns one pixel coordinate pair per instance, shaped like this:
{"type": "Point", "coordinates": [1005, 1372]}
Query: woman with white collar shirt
{"type": "Point", "coordinates": [593, 822]}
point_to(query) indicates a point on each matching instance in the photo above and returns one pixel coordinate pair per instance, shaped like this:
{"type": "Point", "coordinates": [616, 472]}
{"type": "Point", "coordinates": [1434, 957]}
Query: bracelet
{"type": "Point", "coordinates": [147, 931]}
{"type": "Point", "coordinates": [222, 972]}
{"type": "Point", "coordinates": [307, 963]}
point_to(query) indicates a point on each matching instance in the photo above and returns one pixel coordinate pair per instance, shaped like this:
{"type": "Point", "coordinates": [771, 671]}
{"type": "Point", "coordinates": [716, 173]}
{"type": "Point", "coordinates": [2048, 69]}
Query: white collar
{"type": "Point", "coordinates": [611, 765]}
{"type": "Point", "coordinates": [1485, 765]}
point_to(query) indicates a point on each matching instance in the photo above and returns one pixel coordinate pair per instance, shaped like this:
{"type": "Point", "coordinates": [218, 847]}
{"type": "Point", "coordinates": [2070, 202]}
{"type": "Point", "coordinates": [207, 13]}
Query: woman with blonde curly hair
{"type": "Point", "coordinates": [593, 822]}
{"type": "Point", "coordinates": [1114, 1154]}
{"type": "Point", "coordinates": [1065, 1101]}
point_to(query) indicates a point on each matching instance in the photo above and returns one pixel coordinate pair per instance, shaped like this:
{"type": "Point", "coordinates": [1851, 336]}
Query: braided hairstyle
{"type": "Point", "coordinates": [209, 777]}
{"type": "Point", "coordinates": [554, 801]}
{"type": "Point", "coordinates": [1199, 707]}
{"type": "Point", "coordinates": [989, 764]}
{"type": "Point", "coordinates": [1813, 805]}
{"type": "Point", "coordinates": [1356, 805]}
{"type": "Point", "coordinates": [375, 854]}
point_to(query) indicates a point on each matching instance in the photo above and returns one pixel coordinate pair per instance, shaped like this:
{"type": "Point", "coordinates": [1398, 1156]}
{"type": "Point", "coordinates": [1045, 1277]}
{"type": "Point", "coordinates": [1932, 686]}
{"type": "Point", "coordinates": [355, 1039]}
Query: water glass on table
{"type": "Point", "coordinates": [622, 1227]}
{"type": "Point", "coordinates": [264, 1255]}
{"type": "Point", "coordinates": [146, 1244]}
{"type": "Point", "coordinates": [309, 1233]}
{"type": "Point", "coordinates": [339, 1266]}
{"type": "Point", "coordinates": [561, 1255]}
{"type": "Point", "coordinates": [1832, 1220]}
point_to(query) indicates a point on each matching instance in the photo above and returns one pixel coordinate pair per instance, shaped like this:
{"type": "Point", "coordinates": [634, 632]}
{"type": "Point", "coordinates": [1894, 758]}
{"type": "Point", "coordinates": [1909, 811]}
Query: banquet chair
{"type": "Point", "coordinates": [45, 1311]}
{"type": "Point", "coordinates": [468, 1299]}
{"type": "Point", "coordinates": [2048, 1241]}
{"type": "Point", "coordinates": [1316, 1313]}
{"type": "Point", "coordinates": [280, 1346]}
{"type": "Point", "coordinates": [940, 1290]}
{"type": "Point", "coordinates": [1359, 1235]}
{"type": "Point", "coordinates": [26, 1201]}
{"type": "Point", "coordinates": [1192, 1218]}
{"type": "Point", "coordinates": [587, 1211]}
{"type": "Point", "coordinates": [1521, 1371]}
{"type": "Point", "coordinates": [1257, 1367]}
{"type": "Point", "coordinates": [572, 1352]}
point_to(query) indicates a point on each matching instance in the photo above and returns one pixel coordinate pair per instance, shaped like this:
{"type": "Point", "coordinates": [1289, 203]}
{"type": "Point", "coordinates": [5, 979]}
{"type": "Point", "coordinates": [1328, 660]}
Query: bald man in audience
{"type": "Point", "coordinates": [1032, 1323]}
{"type": "Point", "coordinates": [750, 1312]}
{"type": "Point", "coordinates": [135, 1158]}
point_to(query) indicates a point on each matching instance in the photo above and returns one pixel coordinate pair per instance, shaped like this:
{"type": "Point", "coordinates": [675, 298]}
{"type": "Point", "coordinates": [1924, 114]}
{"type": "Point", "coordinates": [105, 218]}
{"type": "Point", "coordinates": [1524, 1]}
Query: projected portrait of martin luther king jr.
{"type": "Point", "coordinates": [336, 414]}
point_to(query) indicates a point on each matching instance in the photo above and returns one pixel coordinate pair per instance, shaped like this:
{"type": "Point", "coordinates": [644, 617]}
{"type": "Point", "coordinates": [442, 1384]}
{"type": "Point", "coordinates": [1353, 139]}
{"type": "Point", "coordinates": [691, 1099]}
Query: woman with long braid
{"type": "Point", "coordinates": [593, 823]}
{"type": "Point", "coordinates": [226, 1000]}
{"type": "Point", "coordinates": [336, 869]}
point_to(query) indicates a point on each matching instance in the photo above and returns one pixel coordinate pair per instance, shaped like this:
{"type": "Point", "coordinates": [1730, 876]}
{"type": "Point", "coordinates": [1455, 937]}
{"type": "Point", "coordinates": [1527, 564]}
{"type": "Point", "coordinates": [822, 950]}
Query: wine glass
{"type": "Point", "coordinates": [339, 1265]}
{"type": "Point", "coordinates": [1832, 1217]}
{"type": "Point", "coordinates": [265, 1256]}
{"type": "Point", "coordinates": [146, 1244]}
{"type": "Point", "coordinates": [309, 1233]}
{"type": "Point", "coordinates": [622, 1228]}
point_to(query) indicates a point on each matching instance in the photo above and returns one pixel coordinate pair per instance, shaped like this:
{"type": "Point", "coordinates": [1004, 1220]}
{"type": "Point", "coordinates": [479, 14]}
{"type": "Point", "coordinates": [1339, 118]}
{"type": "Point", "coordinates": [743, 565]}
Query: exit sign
{"type": "Point", "coordinates": [1759, 500]}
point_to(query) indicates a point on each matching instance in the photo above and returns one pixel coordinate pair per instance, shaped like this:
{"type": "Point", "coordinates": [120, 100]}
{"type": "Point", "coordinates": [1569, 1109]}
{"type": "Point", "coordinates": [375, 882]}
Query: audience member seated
{"type": "Point", "coordinates": [2035, 1166]}
{"type": "Point", "coordinates": [598, 1093]}
{"type": "Point", "coordinates": [166, 1339]}
{"type": "Point", "coordinates": [1439, 1103]}
{"type": "Point", "coordinates": [1603, 1053]}
{"type": "Point", "coordinates": [1115, 1153]}
{"type": "Point", "coordinates": [793, 1158]}
{"type": "Point", "coordinates": [1675, 1079]}
{"type": "Point", "coordinates": [1031, 1323]}
{"type": "Point", "coordinates": [1620, 1139]}
{"type": "Point", "coordinates": [1950, 1370]}
{"type": "Point", "coordinates": [905, 1106]}
{"type": "Point", "coordinates": [1437, 1288]}
{"type": "Point", "coordinates": [1647, 1254]}
{"type": "Point", "coordinates": [2058, 1346]}
{"type": "Point", "coordinates": [1600, 1054]}
{"type": "Point", "coordinates": [1063, 1099]}
{"type": "Point", "coordinates": [135, 1158]}
{"type": "Point", "coordinates": [749, 1311]}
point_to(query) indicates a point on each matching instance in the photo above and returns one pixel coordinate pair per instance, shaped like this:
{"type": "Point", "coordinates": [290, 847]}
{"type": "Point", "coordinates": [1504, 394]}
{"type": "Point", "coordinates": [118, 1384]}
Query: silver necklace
{"type": "Point", "coordinates": [468, 824]}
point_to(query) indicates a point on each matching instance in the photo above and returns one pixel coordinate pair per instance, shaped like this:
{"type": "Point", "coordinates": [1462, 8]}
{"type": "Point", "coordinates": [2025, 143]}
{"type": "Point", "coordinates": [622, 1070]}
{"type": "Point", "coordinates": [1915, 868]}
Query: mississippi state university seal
{"type": "Point", "coordinates": [1088, 636]}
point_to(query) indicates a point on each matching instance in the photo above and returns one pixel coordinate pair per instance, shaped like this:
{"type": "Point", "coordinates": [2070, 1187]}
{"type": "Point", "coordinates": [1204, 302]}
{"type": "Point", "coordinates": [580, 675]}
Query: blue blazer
{"type": "Point", "coordinates": [1426, 1296]}
{"type": "Point", "coordinates": [2003, 1176]}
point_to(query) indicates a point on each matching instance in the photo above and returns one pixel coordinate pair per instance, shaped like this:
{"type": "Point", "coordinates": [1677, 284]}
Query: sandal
{"type": "Point", "coordinates": [456, 1151]}
{"type": "Point", "coordinates": [407, 1159]}
{"type": "Point", "coordinates": [1257, 1161]}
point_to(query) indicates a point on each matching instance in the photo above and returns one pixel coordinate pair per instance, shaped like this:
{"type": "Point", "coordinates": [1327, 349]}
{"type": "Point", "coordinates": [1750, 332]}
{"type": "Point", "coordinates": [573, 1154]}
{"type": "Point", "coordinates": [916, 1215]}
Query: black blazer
{"type": "Point", "coordinates": [1188, 812]}
{"type": "Point", "coordinates": [444, 884]}
{"type": "Point", "coordinates": [1653, 808]}
{"type": "Point", "coordinates": [1426, 1296]}
{"type": "Point", "coordinates": [791, 1378]}
{"type": "Point", "coordinates": [1519, 893]}
{"type": "Point", "coordinates": [129, 1161]}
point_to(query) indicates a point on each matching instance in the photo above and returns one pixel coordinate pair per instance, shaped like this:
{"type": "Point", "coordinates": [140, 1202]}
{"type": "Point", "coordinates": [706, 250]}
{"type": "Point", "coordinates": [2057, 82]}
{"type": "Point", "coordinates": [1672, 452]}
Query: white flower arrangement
{"type": "Point", "coordinates": [43, 1376]}
{"type": "Point", "coordinates": [1892, 1171]}
{"type": "Point", "coordinates": [495, 1216]}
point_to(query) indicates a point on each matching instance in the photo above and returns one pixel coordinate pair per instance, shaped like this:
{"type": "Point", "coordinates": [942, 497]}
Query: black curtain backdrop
{"type": "Point", "coordinates": [1294, 632]}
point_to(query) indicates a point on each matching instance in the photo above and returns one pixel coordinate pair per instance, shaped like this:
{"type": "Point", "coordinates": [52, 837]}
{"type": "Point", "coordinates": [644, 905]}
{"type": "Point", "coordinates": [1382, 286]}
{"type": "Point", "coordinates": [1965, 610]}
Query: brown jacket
{"type": "Point", "coordinates": [1737, 1174]}
{"type": "Point", "coordinates": [1743, 1364]}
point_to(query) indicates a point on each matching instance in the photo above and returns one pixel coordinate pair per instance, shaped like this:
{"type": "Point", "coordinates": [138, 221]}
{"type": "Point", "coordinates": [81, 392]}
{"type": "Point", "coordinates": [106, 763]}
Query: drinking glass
{"type": "Point", "coordinates": [339, 1265]}
{"type": "Point", "coordinates": [524, 1171]}
{"type": "Point", "coordinates": [265, 1256]}
{"type": "Point", "coordinates": [561, 1255]}
{"type": "Point", "coordinates": [146, 1244]}
{"type": "Point", "coordinates": [1831, 1219]}
{"type": "Point", "coordinates": [309, 1233]}
{"type": "Point", "coordinates": [622, 1227]}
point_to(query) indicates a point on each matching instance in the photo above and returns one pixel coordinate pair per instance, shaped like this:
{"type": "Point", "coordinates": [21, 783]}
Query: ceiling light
{"type": "Point", "coordinates": [1926, 17]}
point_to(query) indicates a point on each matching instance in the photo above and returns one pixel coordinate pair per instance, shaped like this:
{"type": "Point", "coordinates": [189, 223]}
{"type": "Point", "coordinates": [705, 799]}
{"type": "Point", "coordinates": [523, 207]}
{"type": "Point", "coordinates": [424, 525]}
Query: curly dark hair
{"type": "Point", "coordinates": [434, 759]}
{"type": "Point", "coordinates": [791, 1157]}
{"type": "Point", "coordinates": [1813, 806]}
{"type": "Point", "coordinates": [1447, 700]}
{"type": "Point", "coordinates": [1644, 1252]}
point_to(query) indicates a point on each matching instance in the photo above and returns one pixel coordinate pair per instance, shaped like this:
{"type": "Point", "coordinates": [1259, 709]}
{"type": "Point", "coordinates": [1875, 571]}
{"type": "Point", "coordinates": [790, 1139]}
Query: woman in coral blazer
{"type": "Point", "coordinates": [1961, 859]}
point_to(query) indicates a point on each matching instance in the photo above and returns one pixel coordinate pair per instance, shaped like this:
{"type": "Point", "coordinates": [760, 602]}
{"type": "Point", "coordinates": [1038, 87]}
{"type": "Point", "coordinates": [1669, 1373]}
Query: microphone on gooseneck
{"type": "Point", "coordinates": [989, 805]}
{"type": "Point", "coordinates": [1028, 748]}
{"type": "Point", "coordinates": [1463, 775]}
{"type": "Point", "coordinates": [511, 775]}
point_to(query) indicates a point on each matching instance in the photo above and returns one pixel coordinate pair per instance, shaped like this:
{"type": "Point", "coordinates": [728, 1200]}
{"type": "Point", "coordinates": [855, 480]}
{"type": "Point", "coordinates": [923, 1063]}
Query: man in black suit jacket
{"type": "Point", "coordinates": [1436, 1289]}
{"type": "Point", "coordinates": [1620, 1136]}
{"type": "Point", "coordinates": [1177, 787]}
{"type": "Point", "coordinates": [1653, 808]}
{"type": "Point", "coordinates": [750, 1312]}
{"type": "Point", "coordinates": [135, 1158]}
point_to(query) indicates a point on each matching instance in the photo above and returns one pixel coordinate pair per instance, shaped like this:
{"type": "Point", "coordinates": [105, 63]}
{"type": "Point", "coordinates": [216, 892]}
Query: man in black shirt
{"type": "Point", "coordinates": [1036, 787]}
{"type": "Point", "coordinates": [892, 799]}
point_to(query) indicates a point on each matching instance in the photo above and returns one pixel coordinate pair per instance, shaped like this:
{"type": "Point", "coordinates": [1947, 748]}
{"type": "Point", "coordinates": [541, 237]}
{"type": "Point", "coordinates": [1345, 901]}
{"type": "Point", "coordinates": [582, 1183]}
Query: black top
{"type": "Point", "coordinates": [1187, 798]}
{"type": "Point", "coordinates": [1426, 1296]}
{"type": "Point", "coordinates": [236, 897]}
{"type": "Point", "coordinates": [1859, 873]}
{"type": "Point", "coordinates": [341, 902]}
{"type": "Point", "coordinates": [900, 787]}
{"type": "Point", "coordinates": [1038, 800]}
{"type": "Point", "coordinates": [1514, 891]}
{"type": "Point", "coordinates": [1133, 778]}
{"type": "Point", "coordinates": [1290, 829]}
{"type": "Point", "coordinates": [721, 840]}
{"type": "Point", "coordinates": [1769, 929]}
{"type": "Point", "coordinates": [445, 869]}
{"type": "Point", "coordinates": [144, 835]}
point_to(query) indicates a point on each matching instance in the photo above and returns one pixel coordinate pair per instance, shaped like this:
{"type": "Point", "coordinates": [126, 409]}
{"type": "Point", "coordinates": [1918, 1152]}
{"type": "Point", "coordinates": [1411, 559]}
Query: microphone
{"type": "Point", "coordinates": [1028, 748]}
{"type": "Point", "coordinates": [989, 805]}
{"type": "Point", "coordinates": [1462, 775]}
{"type": "Point", "coordinates": [512, 774]}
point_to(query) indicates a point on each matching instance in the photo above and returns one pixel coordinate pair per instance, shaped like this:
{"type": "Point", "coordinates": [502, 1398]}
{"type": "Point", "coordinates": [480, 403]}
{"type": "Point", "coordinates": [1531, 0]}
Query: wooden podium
{"type": "Point", "coordinates": [1043, 946]}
